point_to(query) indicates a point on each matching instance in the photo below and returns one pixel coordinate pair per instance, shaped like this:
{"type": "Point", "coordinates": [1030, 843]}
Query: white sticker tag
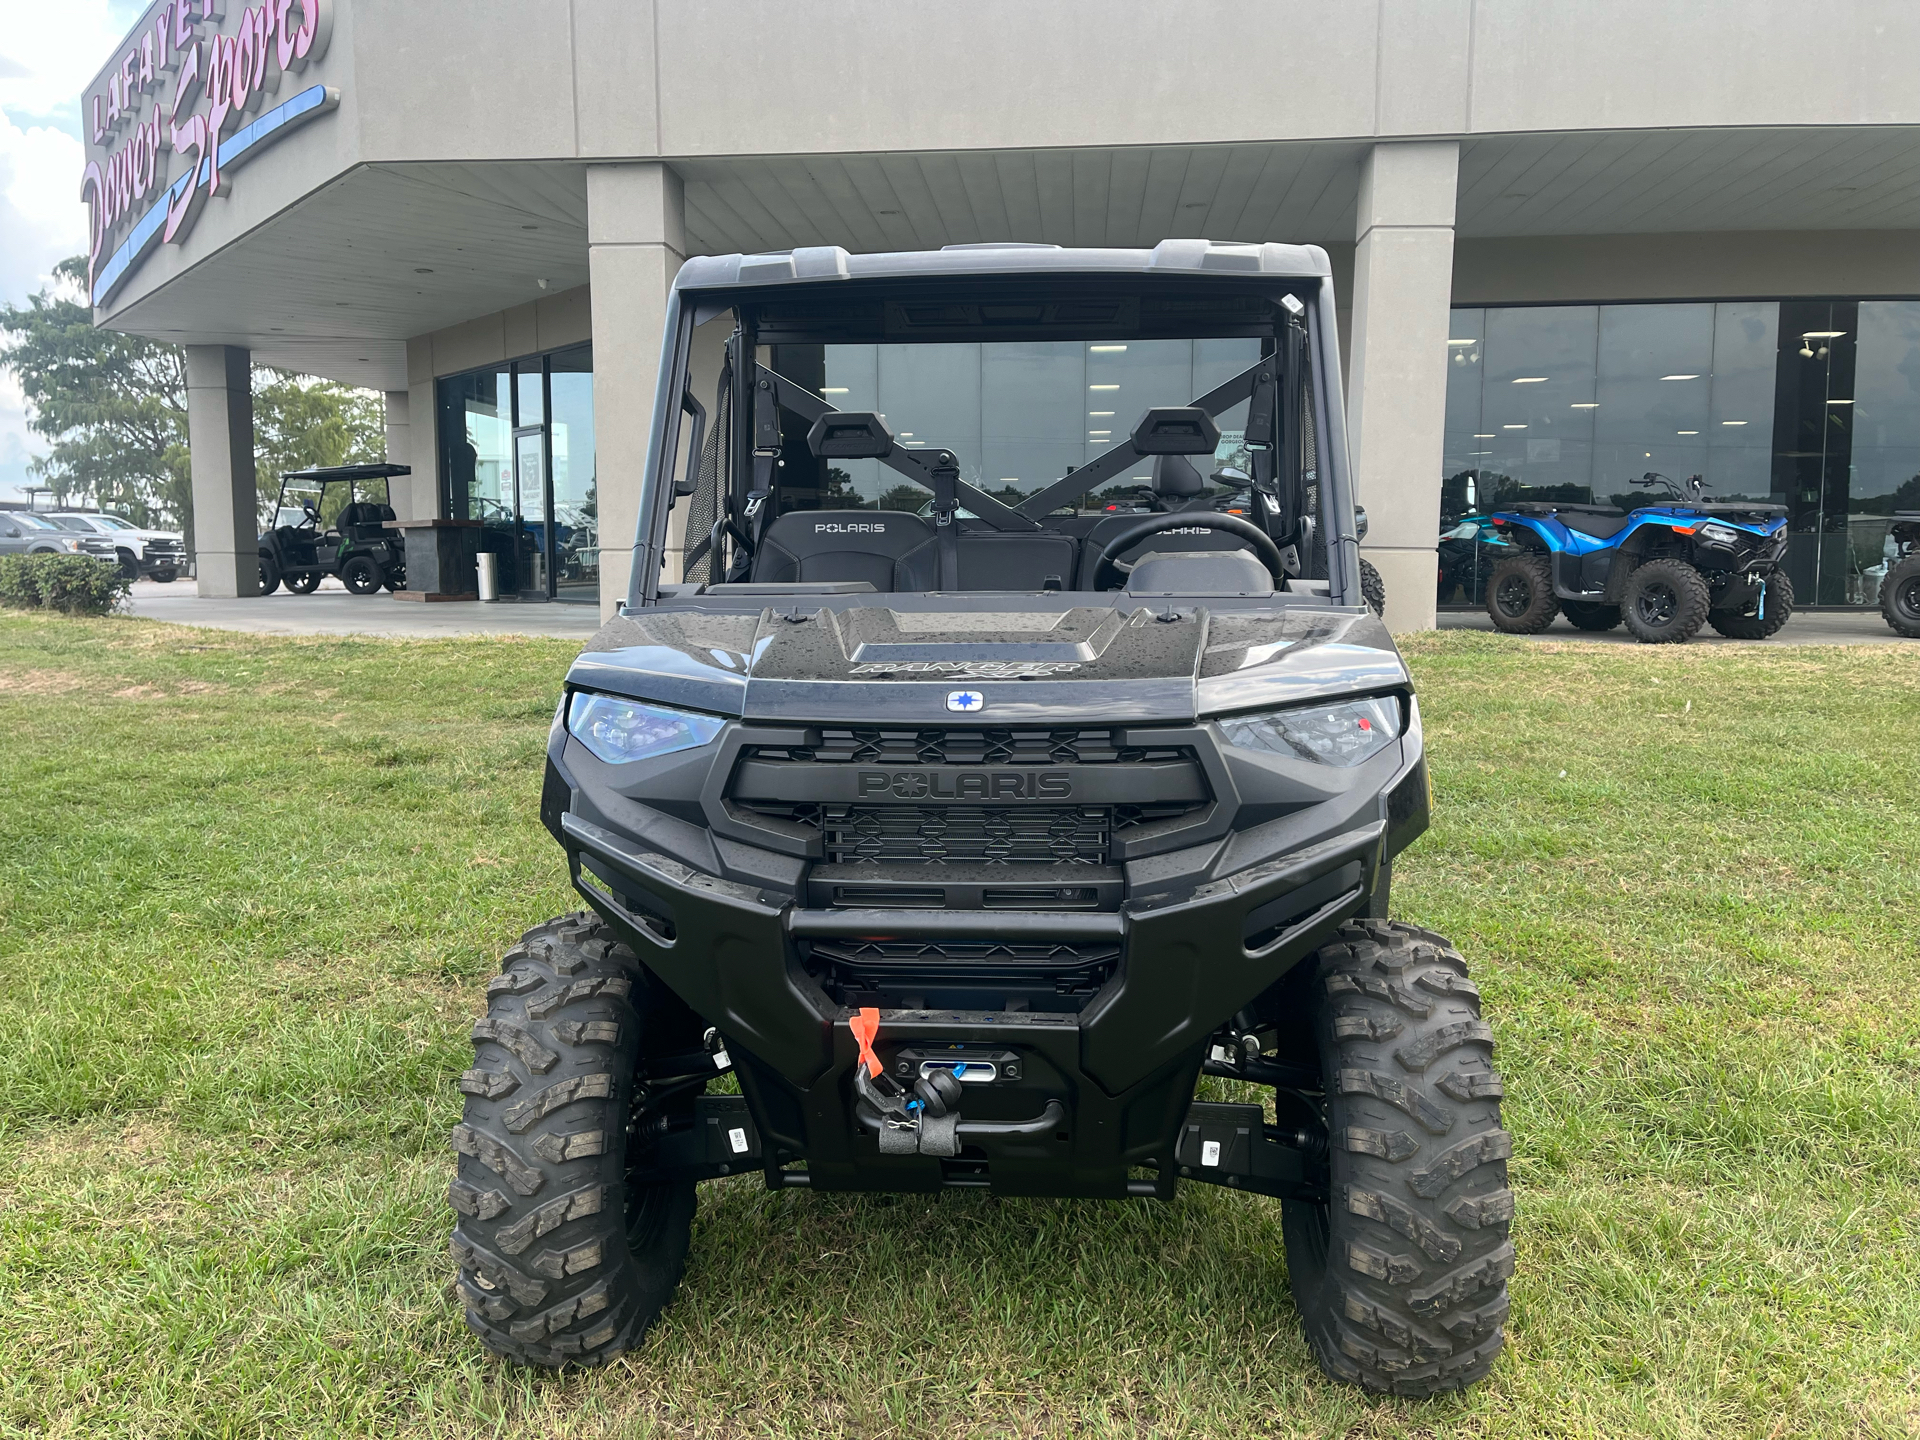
{"type": "Point", "coordinates": [1209, 1152]}
{"type": "Point", "coordinates": [738, 1139]}
{"type": "Point", "coordinates": [720, 1060]}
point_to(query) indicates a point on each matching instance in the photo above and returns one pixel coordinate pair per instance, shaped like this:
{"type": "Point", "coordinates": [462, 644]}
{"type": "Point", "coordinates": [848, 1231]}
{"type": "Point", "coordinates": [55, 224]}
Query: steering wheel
{"type": "Point", "coordinates": [1258, 539]}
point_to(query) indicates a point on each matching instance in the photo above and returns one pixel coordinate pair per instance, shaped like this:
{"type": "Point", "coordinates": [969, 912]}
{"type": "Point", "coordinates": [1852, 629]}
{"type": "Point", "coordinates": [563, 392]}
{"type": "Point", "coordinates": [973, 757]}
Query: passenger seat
{"type": "Point", "coordinates": [889, 549]}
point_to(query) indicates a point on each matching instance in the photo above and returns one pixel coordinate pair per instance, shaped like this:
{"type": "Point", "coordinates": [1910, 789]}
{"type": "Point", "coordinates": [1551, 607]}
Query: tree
{"type": "Point", "coordinates": [114, 408]}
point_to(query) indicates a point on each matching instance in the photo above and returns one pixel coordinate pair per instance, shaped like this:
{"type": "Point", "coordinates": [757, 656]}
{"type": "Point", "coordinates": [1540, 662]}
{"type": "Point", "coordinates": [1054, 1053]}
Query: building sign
{"type": "Point", "coordinates": [195, 80]}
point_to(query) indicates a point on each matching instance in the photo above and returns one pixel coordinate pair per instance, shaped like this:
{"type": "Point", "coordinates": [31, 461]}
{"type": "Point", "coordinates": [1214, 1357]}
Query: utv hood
{"type": "Point", "coordinates": [880, 665]}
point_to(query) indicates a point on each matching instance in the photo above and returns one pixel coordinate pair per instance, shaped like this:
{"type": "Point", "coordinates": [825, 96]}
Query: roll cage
{"type": "Point", "coordinates": [1300, 489]}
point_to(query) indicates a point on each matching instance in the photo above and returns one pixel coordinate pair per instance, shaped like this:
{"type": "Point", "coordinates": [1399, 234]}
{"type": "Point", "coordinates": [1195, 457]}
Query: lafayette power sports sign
{"type": "Point", "coordinates": [195, 80]}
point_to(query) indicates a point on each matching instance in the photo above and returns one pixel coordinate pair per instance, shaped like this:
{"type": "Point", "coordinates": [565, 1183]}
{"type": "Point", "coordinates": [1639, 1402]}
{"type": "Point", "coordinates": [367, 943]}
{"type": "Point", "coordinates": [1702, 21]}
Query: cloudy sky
{"type": "Point", "coordinates": [47, 52]}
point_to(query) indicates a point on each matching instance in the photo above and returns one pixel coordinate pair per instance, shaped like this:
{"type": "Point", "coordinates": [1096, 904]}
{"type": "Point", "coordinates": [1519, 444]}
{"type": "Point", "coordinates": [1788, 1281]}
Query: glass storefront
{"type": "Point", "coordinates": [516, 454]}
{"type": "Point", "coordinates": [1814, 405]}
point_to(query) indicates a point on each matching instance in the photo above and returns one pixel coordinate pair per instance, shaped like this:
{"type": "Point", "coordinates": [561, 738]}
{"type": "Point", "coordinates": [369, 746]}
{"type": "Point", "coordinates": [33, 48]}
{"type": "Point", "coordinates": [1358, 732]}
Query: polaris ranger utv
{"type": "Point", "coordinates": [969, 842]}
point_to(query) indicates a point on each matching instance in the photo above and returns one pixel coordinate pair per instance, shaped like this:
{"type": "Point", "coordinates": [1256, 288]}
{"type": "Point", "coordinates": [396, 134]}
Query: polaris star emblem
{"type": "Point", "coordinates": [967, 700]}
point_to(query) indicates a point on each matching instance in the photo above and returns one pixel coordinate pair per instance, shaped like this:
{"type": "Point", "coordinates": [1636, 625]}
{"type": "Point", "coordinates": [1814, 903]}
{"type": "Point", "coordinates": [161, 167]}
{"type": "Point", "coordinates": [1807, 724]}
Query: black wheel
{"type": "Point", "coordinates": [304, 583]}
{"type": "Point", "coordinates": [395, 580]}
{"type": "Point", "coordinates": [165, 577]}
{"type": "Point", "coordinates": [1762, 616]}
{"type": "Point", "coordinates": [1666, 602]}
{"type": "Point", "coordinates": [1520, 596]}
{"type": "Point", "coordinates": [129, 566]}
{"type": "Point", "coordinates": [1373, 587]}
{"type": "Point", "coordinates": [1900, 597]}
{"type": "Point", "coordinates": [269, 575]}
{"type": "Point", "coordinates": [1583, 616]}
{"type": "Point", "coordinates": [361, 575]}
{"type": "Point", "coordinates": [1401, 1279]}
{"type": "Point", "coordinates": [563, 1258]}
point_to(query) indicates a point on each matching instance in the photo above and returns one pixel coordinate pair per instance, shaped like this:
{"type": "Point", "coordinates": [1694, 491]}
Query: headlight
{"type": "Point", "coordinates": [73, 545]}
{"type": "Point", "coordinates": [1330, 734]}
{"type": "Point", "coordinates": [621, 730]}
{"type": "Point", "coordinates": [1719, 534]}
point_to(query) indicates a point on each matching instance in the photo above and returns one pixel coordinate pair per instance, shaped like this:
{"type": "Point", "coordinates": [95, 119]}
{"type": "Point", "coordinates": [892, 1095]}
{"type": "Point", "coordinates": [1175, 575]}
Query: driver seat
{"type": "Point", "coordinates": [1176, 486]}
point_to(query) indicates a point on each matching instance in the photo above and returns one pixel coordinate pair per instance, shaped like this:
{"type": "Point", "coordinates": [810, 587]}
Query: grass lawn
{"type": "Point", "coordinates": [251, 889]}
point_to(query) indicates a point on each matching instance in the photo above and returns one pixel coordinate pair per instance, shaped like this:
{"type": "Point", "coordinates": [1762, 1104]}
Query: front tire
{"type": "Point", "coordinates": [269, 575]}
{"type": "Point", "coordinates": [129, 566]}
{"type": "Point", "coordinates": [565, 1255]}
{"type": "Point", "coordinates": [1900, 598]}
{"type": "Point", "coordinates": [1520, 599]}
{"type": "Point", "coordinates": [1747, 623]}
{"type": "Point", "coordinates": [1666, 602]}
{"type": "Point", "coordinates": [1401, 1279]}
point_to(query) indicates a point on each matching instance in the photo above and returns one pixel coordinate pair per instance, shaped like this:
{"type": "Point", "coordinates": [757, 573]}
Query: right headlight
{"type": "Point", "coordinates": [1343, 734]}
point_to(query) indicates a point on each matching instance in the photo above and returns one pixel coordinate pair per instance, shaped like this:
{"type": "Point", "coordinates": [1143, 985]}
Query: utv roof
{"type": "Point", "coordinates": [347, 472]}
{"type": "Point", "coordinates": [830, 262]}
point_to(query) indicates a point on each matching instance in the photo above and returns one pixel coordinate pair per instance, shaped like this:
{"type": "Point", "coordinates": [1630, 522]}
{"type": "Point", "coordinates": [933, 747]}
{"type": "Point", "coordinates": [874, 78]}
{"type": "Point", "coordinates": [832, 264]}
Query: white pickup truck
{"type": "Point", "coordinates": [155, 554]}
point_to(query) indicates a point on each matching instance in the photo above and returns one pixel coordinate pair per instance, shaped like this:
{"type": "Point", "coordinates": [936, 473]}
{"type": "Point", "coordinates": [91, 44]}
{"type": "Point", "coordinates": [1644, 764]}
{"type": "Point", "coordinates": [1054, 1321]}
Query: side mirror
{"type": "Point", "coordinates": [850, 435]}
{"type": "Point", "coordinates": [1176, 430]}
{"type": "Point", "coordinates": [1231, 476]}
{"type": "Point", "coordinates": [1360, 522]}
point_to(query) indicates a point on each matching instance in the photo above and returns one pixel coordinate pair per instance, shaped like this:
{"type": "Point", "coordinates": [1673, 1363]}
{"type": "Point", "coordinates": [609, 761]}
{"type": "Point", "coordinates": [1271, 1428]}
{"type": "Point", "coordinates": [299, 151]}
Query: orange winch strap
{"type": "Point", "coordinates": [865, 1027]}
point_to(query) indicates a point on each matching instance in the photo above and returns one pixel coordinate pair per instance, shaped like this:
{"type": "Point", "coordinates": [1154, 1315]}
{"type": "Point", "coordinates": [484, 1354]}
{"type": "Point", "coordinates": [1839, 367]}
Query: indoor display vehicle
{"type": "Point", "coordinates": [24, 533]}
{"type": "Point", "coordinates": [1663, 569]}
{"type": "Point", "coordinates": [967, 846]}
{"type": "Point", "coordinates": [1469, 547]}
{"type": "Point", "coordinates": [1900, 591]}
{"type": "Point", "coordinates": [322, 526]}
{"type": "Point", "coordinates": [150, 554]}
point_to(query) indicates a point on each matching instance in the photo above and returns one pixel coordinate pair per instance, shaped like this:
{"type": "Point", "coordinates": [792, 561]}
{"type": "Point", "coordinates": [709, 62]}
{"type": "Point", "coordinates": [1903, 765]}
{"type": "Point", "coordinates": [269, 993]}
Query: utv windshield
{"type": "Point", "coordinates": [927, 441]}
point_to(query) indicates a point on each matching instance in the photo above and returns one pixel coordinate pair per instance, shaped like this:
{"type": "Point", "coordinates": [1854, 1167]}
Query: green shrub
{"type": "Point", "coordinates": [71, 584]}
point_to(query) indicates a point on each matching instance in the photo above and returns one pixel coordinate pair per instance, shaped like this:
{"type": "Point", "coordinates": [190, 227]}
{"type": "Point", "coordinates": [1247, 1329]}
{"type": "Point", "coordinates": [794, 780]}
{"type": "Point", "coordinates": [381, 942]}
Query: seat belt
{"type": "Point", "coordinates": [944, 472]}
{"type": "Point", "coordinates": [766, 457]}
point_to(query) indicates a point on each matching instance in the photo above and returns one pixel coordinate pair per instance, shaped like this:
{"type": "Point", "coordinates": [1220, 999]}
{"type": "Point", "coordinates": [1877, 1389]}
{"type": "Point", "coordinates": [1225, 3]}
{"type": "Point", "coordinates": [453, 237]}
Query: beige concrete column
{"type": "Point", "coordinates": [636, 239]}
{"type": "Point", "coordinates": [423, 436]}
{"type": "Point", "coordinates": [402, 489]}
{"type": "Point", "coordinates": [226, 530]}
{"type": "Point", "coordinates": [1397, 392]}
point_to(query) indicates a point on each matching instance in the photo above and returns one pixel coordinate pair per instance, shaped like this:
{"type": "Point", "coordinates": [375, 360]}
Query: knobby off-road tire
{"type": "Point", "coordinates": [1583, 616]}
{"type": "Point", "coordinates": [1401, 1279]}
{"type": "Point", "coordinates": [1520, 599]}
{"type": "Point", "coordinates": [1373, 588]}
{"type": "Point", "coordinates": [1666, 602]}
{"type": "Point", "coordinates": [1900, 597]}
{"type": "Point", "coordinates": [561, 1260]}
{"type": "Point", "coordinates": [1747, 623]}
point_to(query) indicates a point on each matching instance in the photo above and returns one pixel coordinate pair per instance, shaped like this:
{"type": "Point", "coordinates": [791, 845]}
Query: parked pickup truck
{"type": "Point", "coordinates": [156, 554]}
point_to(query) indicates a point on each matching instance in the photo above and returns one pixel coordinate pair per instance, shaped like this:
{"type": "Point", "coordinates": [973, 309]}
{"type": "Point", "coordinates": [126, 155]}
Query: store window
{"type": "Point", "coordinates": [1814, 405]}
{"type": "Point", "coordinates": [517, 455]}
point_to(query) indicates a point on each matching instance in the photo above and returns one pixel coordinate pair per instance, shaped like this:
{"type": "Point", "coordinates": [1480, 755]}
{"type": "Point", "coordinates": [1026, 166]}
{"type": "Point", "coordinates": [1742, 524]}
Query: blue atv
{"type": "Point", "coordinates": [1665, 569]}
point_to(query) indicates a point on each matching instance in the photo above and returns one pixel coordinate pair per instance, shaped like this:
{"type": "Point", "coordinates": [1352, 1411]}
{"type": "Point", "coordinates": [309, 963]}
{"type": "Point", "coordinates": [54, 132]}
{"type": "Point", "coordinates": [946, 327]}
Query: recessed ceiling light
{"type": "Point", "coordinates": [1733, 422]}
{"type": "Point", "coordinates": [1584, 405]}
{"type": "Point", "coordinates": [1531, 380]}
{"type": "Point", "coordinates": [1099, 432]}
{"type": "Point", "coordinates": [1107, 349]}
{"type": "Point", "coordinates": [1686, 432]}
{"type": "Point", "coordinates": [1679, 377]}
{"type": "Point", "coordinates": [1839, 402]}
{"type": "Point", "coordinates": [1103, 387]}
{"type": "Point", "coordinates": [1821, 334]}
{"type": "Point", "coordinates": [1513, 427]}
{"type": "Point", "coordinates": [906, 434]}
{"type": "Point", "coordinates": [1101, 414]}
{"type": "Point", "coordinates": [1488, 436]}
{"type": "Point", "coordinates": [1009, 479]}
{"type": "Point", "coordinates": [1479, 452]}
{"type": "Point", "coordinates": [1463, 342]}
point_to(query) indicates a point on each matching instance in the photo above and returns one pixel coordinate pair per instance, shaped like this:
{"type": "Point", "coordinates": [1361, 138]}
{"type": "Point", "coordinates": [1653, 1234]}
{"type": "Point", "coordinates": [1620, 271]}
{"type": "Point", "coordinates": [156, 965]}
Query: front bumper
{"type": "Point", "coordinates": [1122, 1068]}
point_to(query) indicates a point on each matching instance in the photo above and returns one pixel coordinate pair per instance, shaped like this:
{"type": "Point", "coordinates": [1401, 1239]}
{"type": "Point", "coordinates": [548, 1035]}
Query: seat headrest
{"type": "Point", "coordinates": [1175, 478]}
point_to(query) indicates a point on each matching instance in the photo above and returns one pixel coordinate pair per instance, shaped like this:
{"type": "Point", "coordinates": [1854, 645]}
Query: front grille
{"type": "Point", "coordinates": [958, 834]}
{"type": "Point", "coordinates": [966, 974]}
{"type": "Point", "coordinates": [1044, 955]}
{"type": "Point", "coordinates": [967, 747]}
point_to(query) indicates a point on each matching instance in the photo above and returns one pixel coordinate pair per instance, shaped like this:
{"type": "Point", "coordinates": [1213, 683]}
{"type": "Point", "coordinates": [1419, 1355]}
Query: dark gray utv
{"type": "Point", "coordinates": [968, 842]}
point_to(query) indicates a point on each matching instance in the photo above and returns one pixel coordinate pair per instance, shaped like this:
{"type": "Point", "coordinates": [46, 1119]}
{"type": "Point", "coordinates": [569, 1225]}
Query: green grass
{"type": "Point", "coordinates": [250, 890]}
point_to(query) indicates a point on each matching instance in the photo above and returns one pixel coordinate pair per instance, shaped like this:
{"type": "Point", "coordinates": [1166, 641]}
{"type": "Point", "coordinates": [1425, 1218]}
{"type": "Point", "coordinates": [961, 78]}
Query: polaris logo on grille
{"type": "Point", "coordinates": [970, 785]}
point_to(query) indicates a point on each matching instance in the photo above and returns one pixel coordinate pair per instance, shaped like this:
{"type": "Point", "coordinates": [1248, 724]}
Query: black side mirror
{"type": "Point", "coordinates": [1176, 430]}
{"type": "Point", "coordinates": [850, 435]}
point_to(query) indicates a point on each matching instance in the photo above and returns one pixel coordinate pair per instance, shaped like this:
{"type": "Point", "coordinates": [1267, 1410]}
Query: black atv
{"type": "Point", "coordinates": [969, 842]}
{"type": "Point", "coordinates": [322, 526]}
{"type": "Point", "coordinates": [1900, 591]}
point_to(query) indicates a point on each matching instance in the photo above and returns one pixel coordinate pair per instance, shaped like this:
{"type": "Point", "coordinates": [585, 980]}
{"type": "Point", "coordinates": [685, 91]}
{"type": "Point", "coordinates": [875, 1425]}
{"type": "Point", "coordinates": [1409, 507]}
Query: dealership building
{"type": "Point", "coordinates": [1573, 242]}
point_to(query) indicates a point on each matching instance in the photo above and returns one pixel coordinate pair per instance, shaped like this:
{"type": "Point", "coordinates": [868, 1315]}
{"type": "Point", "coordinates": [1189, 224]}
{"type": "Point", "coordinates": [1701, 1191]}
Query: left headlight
{"type": "Point", "coordinates": [621, 730]}
{"type": "Point", "coordinates": [1329, 734]}
{"type": "Point", "coordinates": [1719, 534]}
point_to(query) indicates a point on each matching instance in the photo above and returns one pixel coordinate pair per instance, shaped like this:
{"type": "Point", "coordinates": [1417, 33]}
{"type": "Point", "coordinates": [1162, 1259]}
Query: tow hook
{"type": "Point", "coordinates": [923, 1121]}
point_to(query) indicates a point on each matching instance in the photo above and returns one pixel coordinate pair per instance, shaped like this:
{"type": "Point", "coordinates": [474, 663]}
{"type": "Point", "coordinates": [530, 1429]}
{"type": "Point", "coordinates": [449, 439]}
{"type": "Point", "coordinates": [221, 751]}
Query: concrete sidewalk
{"type": "Point", "coordinates": [330, 610]}
{"type": "Point", "coordinates": [1809, 627]}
